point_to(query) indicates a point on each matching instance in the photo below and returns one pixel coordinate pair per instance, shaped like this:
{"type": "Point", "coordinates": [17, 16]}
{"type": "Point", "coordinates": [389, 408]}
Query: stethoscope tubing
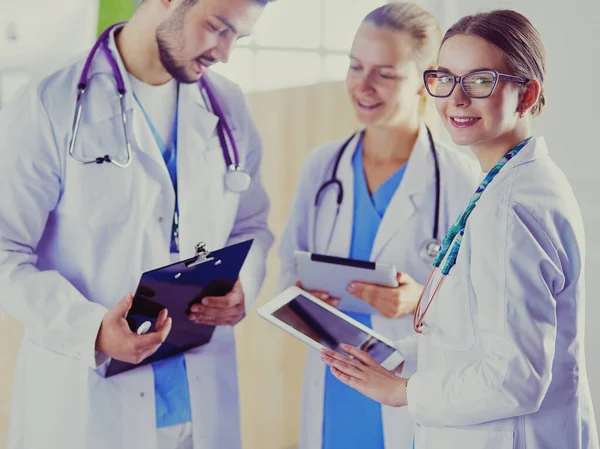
{"type": "Point", "coordinates": [334, 180]}
{"type": "Point", "coordinates": [226, 138]}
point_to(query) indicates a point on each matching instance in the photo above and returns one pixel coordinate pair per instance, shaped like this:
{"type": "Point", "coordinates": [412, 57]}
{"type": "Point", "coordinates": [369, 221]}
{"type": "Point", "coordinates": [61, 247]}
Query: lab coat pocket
{"type": "Point", "coordinates": [99, 194]}
{"type": "Point", "coordinates": [451, 324]}
{"type": "Point", "coordinates": [208, 209]}
{"type": "Point", "coordinates": [451, 438]}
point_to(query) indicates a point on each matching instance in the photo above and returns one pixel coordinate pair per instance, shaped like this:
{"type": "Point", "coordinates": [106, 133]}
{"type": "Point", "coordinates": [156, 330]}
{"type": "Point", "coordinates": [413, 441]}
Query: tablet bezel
{"type": "Point", "coordinates": [267, 310]}
{"type": "Point", "coordinates": [334, 276]}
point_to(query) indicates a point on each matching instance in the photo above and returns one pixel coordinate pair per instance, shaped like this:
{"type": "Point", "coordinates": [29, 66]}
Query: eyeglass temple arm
{"type": "Point", "coordinates": [516, 79]}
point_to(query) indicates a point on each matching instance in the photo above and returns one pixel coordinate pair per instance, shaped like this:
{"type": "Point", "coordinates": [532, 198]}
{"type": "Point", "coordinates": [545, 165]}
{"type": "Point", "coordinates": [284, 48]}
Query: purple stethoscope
{"type": "Point", "coordinates": [236, 179]}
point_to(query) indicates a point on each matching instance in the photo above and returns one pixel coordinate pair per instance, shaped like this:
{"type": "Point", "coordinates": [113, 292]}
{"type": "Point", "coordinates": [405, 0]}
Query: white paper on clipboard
{"type": "Point", "coordinates": [333, 275]}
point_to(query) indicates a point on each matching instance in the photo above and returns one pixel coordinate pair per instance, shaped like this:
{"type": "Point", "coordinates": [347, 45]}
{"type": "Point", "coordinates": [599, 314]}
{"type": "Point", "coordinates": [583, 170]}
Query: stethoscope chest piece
{"type": "Point", "coordinates": [430, 250]}
{"type": "Point", "coordinates": [236, 179]}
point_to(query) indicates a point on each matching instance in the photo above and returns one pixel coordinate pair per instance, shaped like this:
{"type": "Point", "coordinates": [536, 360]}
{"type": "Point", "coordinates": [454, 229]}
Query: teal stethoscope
{"type": "Point", "coordinates": [453, 240]}
{"type": "Point", "coordinates": [236, 179]}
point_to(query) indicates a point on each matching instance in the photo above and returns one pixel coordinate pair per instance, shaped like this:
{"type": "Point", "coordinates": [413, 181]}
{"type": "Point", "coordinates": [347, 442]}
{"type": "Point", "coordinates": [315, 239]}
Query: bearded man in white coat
{"type": "Point", "coordinates": [75, 238]}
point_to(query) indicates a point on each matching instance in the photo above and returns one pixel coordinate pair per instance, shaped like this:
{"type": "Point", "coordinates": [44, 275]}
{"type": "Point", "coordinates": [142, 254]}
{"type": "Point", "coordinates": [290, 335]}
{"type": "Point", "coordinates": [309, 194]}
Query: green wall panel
{"type": "Point", "coordinates": [112, 11]}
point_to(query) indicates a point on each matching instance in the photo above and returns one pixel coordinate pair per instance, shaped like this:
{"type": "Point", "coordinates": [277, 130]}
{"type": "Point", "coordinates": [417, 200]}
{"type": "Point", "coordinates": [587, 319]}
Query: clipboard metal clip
{"type": "Point", "coordinates": [202, 255]}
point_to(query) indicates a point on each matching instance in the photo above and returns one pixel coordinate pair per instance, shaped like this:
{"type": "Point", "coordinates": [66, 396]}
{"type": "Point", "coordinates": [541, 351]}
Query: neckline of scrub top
{"type": "Point", "coordinates": [382, 196]}
{"type": "Point", "coordinates": [169, 152]}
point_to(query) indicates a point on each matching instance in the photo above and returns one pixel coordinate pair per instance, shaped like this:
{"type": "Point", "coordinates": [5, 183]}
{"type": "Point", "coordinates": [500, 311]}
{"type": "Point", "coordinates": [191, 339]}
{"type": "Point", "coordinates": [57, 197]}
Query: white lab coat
{"type": "Point", "coordinates": [74, 240]}
{"type": "Point", "coordinates": [502, 364]}
{"type": "Point", "coordinates": [406, 226]}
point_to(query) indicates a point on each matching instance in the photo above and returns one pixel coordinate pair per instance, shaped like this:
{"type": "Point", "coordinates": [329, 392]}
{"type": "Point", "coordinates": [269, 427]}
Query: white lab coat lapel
{"type": "Point", "coordinates": [199, 176]}
{"type": "Point", "coordinates": [147, 147]}
{"type": "Point", "coordinates": [408, 196]}
{"type": "Point", "coordinates": [195, 131]}
{"type": "Point", "coordinates": [341, 234]}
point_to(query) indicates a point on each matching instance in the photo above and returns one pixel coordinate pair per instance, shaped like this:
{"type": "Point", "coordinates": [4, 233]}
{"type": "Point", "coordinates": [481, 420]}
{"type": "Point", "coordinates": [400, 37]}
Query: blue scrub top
{"type": "Point", "coordinates": [352, 420]}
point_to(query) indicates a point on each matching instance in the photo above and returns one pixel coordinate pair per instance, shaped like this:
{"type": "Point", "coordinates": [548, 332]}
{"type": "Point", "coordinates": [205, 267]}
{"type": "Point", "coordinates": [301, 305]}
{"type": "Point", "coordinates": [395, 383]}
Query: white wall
{"type": "Point", "coordinates": [570, 122]}
{"type": "Point", "coordinates": [38, 36]}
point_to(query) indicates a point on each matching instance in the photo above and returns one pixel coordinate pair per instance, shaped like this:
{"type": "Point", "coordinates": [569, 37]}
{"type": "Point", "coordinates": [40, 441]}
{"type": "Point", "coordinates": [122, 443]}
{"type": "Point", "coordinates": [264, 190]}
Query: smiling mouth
{"type": "Point", "coordinates": [368, 106]}
{"type": "Point", "coordinates": [464, 122]}
{"type": "Point", "coordinates": [202, 65]}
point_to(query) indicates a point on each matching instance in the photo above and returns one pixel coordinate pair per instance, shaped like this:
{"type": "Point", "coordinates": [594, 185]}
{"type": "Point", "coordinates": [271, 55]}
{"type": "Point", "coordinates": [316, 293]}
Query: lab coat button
{"type": "Point", "coordinates": [141, 394]}
{"type": "Point", "coordinates": [161, 219]}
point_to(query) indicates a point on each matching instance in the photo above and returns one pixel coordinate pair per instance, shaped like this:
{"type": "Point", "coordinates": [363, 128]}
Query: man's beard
{"type": "Point", "coordinates": [168, 60]}
{"type": "Point", "coordinates": [168, 48]}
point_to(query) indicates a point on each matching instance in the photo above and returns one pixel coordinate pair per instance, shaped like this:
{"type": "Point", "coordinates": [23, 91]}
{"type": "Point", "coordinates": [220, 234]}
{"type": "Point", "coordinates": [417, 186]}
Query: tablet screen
{"type": "Point", "coordinates": [328, 329]}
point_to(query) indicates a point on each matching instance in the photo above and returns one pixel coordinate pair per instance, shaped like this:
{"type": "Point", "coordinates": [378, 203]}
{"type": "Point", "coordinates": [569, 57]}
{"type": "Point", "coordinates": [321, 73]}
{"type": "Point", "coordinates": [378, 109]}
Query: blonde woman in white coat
{"type": "Point", "coordinates": [388, 213]}
{"type": "Point", "coordinates": [500, 359]}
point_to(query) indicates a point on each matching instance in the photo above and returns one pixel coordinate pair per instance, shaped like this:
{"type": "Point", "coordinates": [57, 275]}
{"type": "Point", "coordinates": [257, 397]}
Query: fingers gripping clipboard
{"type": "Point", "coordinates": [177, 287]}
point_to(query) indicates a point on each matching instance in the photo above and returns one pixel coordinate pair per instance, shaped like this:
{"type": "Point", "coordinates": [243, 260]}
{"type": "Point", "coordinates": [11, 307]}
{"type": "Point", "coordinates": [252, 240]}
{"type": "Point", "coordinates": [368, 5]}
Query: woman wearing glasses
{"type": "Point", "coordinates": [501, 362]}
{"type": "Point", "coordinates": [395, 200]}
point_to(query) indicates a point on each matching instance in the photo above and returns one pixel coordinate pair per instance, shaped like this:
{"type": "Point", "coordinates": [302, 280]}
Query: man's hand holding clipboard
{"type": "Point", "coordinates": [117, 340]}
{"type": "Point", "coordinates": [225, 310]}
{"type": "Point", "coordinates": [175, 308]}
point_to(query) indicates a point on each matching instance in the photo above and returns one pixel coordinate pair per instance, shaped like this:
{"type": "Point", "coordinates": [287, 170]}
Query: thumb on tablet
{"type": "Point", "coordinates": [404, 278]}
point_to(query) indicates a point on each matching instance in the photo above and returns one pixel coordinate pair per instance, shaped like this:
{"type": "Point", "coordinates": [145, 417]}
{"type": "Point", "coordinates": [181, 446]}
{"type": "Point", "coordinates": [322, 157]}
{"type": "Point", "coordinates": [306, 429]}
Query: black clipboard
{"type": "Point", "coordinates": [177, 287]}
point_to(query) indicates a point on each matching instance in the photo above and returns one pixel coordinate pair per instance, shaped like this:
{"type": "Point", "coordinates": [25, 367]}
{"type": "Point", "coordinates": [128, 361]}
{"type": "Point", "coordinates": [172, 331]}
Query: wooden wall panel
{"type": "Point", "coordinates": [292, 122]}
{"type": "Point", "coordinates": [11, 332]}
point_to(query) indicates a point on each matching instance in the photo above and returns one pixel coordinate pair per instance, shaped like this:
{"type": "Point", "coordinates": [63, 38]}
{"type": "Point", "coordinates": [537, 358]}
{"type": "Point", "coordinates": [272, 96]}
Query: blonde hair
{"type": "Point", "coordinates": [419, 24]}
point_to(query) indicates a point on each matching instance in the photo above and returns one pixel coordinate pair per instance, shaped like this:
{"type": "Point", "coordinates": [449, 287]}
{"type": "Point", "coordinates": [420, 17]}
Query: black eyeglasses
{"type": "Point", "coordinates": [478, 84]}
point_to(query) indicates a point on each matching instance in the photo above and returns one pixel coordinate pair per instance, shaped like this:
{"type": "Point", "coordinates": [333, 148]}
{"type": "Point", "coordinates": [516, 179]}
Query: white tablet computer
{"type": "Point", "coordinates": [333, 275]}
{"type": "Point", "coordinates": [321, 326]}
